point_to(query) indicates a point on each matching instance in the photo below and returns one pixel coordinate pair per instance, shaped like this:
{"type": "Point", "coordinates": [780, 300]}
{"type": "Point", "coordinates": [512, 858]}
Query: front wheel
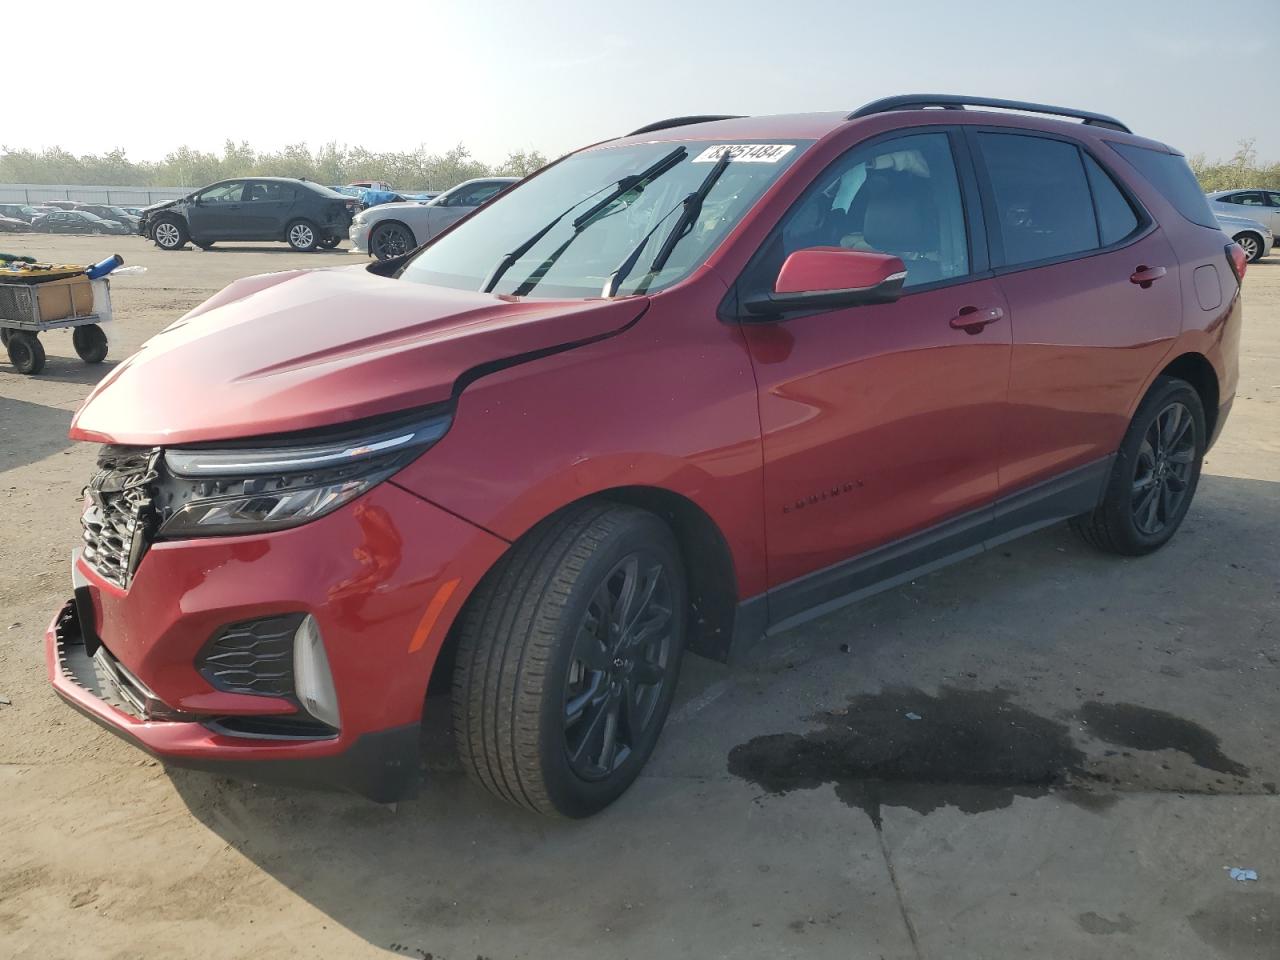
{"type": "Point", "coordinates": [90, 342]}
{"type": "Point", "coordinates": [1251, 244]}
{"type": "Point", "coordinates": [392, 239]}
{"type": "Point", "coordinates": [169, 234]}
{"type": "Point", "coordinates": [567, 660]}
{"type": "Point", "coordinates": [302, 236]}
{"type": "Point", "coordinates": [1154, 476]}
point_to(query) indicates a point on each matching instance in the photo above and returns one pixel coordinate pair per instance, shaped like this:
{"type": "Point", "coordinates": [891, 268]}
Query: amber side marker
{"type": "Point", "coordinates": [434, 609]}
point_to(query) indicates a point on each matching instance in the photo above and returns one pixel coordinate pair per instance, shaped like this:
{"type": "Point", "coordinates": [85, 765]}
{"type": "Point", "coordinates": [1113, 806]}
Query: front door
{"type": "Point", "coordinates": [219, 212]}
{"type": "Point", "coordinates": [881, 421]}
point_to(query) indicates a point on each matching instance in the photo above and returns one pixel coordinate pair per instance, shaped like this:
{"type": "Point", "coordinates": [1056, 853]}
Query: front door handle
{"type": "Point", "coordinates": [1145, 276]}
{"type": "Point", "coordinates": [971, 319]}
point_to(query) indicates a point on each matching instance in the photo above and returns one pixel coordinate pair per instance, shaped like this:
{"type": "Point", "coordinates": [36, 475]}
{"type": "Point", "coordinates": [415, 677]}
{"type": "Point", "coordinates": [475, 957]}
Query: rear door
{"type": "Point", "coordinates": [267, 204]}
{"type": "Point", "coordinates": [879, 421]}
{"type": "Point", "coordinates": [1092, 286]}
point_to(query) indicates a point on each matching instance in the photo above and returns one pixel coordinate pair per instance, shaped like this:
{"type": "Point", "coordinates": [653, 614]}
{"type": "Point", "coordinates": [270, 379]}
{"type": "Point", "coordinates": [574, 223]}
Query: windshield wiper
{"type": "Point", "coordinates": [621, 188]}
{"type": "Point", "coordinates": [692, 206]}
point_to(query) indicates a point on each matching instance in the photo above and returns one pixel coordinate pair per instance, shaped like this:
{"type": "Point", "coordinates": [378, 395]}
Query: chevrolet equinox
{"type": "Point", "coordinates": [673, 392]}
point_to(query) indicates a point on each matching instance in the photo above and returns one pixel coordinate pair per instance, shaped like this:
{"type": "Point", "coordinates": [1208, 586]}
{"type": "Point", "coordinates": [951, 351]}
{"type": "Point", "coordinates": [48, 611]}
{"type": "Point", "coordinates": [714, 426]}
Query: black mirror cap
{"type": "Point", "coordinates": [775, 306]}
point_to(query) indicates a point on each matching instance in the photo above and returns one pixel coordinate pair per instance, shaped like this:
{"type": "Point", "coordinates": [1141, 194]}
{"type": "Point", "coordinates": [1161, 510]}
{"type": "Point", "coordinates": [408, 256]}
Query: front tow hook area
{"type": "Point", "coordinates": [87, 663]}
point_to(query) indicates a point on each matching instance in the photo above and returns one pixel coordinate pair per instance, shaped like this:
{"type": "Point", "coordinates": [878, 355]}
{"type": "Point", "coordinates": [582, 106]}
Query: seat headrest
{"type": "Point", "coordinates": [901, 216]}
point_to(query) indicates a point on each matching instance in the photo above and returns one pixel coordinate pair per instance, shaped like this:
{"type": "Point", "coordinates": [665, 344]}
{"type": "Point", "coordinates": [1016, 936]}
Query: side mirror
{"type": "Point", "coordinates": [818, 277]}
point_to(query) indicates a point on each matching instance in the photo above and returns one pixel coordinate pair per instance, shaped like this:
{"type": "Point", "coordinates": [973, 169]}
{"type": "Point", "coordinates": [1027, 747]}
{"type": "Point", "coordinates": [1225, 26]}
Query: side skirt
{"type": "Point", "coordinates": [816, 594]}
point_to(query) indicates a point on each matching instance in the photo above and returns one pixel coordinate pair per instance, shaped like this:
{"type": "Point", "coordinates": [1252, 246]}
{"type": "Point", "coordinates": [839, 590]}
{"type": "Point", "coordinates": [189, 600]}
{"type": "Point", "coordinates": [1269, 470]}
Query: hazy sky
{"type": "Point", "coordinates": [506, 75]}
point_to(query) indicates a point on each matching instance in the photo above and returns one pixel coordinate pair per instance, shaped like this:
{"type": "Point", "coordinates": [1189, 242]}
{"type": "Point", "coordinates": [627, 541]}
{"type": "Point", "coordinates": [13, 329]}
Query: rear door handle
{"type": "Point", "coordinates": [1145, 276]}
{"type": "Point", "coordinates": [972, 320]}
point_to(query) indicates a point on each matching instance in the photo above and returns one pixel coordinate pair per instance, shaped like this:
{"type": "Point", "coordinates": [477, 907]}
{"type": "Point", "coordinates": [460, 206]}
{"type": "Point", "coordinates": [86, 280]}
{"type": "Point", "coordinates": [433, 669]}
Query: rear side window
{"type": "Point", "coordinates": [1041, 195]}
{"type": "Point", "coordinates": [1169, 173]}
{"type": "Point", "coordinates": [1116, 219]}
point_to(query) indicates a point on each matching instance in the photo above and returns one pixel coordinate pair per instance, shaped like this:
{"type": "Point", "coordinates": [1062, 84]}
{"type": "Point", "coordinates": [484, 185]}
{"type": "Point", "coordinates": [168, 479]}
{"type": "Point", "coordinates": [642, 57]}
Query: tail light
{"type": "Point", "coordinates": [1237, 260]}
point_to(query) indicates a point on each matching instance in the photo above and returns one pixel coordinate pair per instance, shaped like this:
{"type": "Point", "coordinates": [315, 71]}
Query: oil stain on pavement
{"type": "Point", "coordinates": [975, 750]}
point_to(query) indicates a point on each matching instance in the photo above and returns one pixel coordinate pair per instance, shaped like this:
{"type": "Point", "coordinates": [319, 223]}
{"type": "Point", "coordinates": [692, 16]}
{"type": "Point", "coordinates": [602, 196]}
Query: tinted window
{"type": "Point", "coordinates": [1169, 173]}
{"type": "Point", "coordinates": [1041, 197]}
{"type": "Point", "coordinates": [1245, 199]}
{"type": "Point", "coordinates": [1116, 219]}
{"type": "Point", "coordinates": [900, 197]}
{"type": "Point", "coordinates": [225, 193]}
{"type": "Point", "coordinates": [1274, 199]}
{"type": "Point", "coordinates": [268, 191]}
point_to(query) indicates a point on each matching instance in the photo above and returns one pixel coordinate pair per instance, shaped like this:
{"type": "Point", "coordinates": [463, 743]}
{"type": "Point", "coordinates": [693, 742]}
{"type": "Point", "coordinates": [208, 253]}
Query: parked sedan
{"type": "Point", "coordinates": [13, 225]}
{"type": "Point", "coordinates": [19, 211]}
{"type": "Point", "coordinates": [1255, 238]}
{"type": "Point", "coordinates": [1257, 204]}
{"type": "Point", "coordinates": [108, 212]}
{"type": "Point", "coordinates": [392, 229]}
{"type": "Point", "coordinates": [303, 214]}
{"type": "Point", "coordinates": [76, 221]}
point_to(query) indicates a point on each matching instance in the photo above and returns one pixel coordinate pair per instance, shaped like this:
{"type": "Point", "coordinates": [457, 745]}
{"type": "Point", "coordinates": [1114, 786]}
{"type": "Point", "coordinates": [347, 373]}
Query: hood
{"type": "Point", "coordinates": [312, 348]}
{"type": "Point", "coordinates": [162, 205]}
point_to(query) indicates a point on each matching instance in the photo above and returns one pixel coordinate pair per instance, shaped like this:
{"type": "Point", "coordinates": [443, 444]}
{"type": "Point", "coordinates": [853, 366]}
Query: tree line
{"type": "Point", "coordinates": [331, 164]}
{"type": "Point", "coordinates": [417, 170]}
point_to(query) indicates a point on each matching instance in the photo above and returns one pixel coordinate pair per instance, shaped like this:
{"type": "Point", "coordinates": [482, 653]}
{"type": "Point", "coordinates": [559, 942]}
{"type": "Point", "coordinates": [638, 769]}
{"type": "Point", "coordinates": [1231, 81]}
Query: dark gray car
{"type": "Point", "coordinates": [303, 214]}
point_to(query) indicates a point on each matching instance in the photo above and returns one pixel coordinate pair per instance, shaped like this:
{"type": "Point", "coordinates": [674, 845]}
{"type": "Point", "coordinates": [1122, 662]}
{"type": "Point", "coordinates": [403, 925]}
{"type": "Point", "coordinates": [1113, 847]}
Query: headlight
{"type": "Point", "coordinates": [359, 218]}
{"type": "Point", "coordinates": [233, 490]}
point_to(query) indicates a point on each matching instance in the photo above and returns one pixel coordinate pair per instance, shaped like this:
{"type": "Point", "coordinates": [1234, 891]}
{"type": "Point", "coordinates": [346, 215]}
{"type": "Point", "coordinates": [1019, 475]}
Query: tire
{"type": "Point", "coordinates": [26, 352]}
{"type": "Point", "coordinates": [330, 243]}
{"type": "Point", "coordinates": [302, 235]}
{"type": "Point", "coordinates": [1153, 479]}
{"type": "Point", "coordinates": [4, 336]}
{"type": "Point", "coordinates": [1251, 244]}
{"type": "Point", "coordinates": [170, 234]}
{"type": "Point", "coordinates": [537, 688]}
{"type": "Point", "coordinates": [90, 342]}
{"type": "Point", "coordinates": [391, 239]}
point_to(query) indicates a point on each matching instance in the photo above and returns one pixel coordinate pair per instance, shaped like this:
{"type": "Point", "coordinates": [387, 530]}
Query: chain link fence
{"type": "Point", "coordinates": [37, 193]}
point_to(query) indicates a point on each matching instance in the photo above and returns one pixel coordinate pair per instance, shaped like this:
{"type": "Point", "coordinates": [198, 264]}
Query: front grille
{"type": "Point", "coordinates": [119, 515]}
{"type": "Point", "coordinates": [255, 656]}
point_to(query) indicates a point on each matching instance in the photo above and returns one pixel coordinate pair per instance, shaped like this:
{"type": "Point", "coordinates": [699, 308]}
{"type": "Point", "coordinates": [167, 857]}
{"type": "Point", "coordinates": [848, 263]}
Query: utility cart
{"type": "Point", "coordinates": [67, 302]}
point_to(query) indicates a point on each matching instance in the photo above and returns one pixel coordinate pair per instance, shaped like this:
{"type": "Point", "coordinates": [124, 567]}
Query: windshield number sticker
{"type": "Point", "coordinates": [746, 152]}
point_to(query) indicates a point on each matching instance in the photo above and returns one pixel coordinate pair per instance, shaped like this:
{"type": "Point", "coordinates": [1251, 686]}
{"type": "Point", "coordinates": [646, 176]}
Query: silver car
{"type": "Point", "coordinates": [1257, 204]}
{"type": "Point", "coordinates": [1255, 238]}
{"type": "Point", "coordinates": [391, 229]}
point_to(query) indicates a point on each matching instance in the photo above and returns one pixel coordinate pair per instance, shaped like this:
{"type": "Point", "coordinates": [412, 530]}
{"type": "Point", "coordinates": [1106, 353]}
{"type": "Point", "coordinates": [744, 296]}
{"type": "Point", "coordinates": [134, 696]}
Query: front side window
{"type": "Point", "coordinates": [604, 218]}
{"type": "Point", "coordinates": [900, 197]}
{"type": "Point", "coordinates": [1041, 195]}
{"type": "Point", "coordinates": [475, 195]}
{"type": "Point", "coordinates": [224, 193]}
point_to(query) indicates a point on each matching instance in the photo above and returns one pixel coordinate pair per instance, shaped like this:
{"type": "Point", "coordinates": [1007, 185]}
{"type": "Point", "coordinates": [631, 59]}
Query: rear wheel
{"type": "Point", "coordinates": [1154, 476]}
{"type": "Point", "coordinates": [390, 240]}
{"type": "Point", "coordinates": [302, 236]}
{"type": "Point", "coordinates": [1251, 244]}
{"type": "Point", "coordinates": [567, 660]}
{"type": "Point", "coordinates": [90, 342]}
{"type": "Point", "coordinates": [169, 234]}
{"type": "Point", "coordinates": [26, 352]}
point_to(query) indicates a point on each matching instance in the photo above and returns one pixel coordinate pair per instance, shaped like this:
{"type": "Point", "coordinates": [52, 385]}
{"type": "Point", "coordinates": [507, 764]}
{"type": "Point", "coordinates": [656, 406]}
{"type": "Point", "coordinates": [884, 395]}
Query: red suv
{"type": "Point", "coordinates": [675, 391]}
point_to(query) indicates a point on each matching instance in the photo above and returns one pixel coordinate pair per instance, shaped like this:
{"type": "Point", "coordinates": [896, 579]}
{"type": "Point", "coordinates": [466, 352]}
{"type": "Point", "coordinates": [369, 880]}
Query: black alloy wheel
{"type": "Point", "coordinates": [619, 666]}
{"type": "Point", "coordinates": [1162, 469]}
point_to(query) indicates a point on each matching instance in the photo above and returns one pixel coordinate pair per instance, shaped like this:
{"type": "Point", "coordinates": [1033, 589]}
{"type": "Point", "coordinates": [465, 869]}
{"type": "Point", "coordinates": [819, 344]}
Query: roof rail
{"type": "Point", "coordinates": [683, 121]}
{"type": "Point", "coordinates": [919, 101]}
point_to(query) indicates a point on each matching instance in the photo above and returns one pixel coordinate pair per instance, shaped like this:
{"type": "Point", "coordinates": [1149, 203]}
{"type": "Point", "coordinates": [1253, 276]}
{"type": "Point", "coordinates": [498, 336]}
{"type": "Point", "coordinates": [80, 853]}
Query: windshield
{"type": "Point", "coordinates": [576, 257]}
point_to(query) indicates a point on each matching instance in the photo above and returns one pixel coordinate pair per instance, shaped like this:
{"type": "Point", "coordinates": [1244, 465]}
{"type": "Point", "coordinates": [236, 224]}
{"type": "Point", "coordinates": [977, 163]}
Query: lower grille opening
{"type": "Point", "coordinates": [273, 728]}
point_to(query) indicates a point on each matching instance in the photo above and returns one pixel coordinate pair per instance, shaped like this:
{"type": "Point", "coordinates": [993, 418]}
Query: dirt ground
{"type": "Point", "coordinates": [1096, 744]}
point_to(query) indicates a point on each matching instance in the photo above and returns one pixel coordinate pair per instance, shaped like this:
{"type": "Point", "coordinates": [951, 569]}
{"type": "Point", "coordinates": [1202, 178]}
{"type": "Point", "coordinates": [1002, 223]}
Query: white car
{"type": "Point", "coordinates": [1254, 236]}
{"type": "Point", "coordinates": [392, 229]}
